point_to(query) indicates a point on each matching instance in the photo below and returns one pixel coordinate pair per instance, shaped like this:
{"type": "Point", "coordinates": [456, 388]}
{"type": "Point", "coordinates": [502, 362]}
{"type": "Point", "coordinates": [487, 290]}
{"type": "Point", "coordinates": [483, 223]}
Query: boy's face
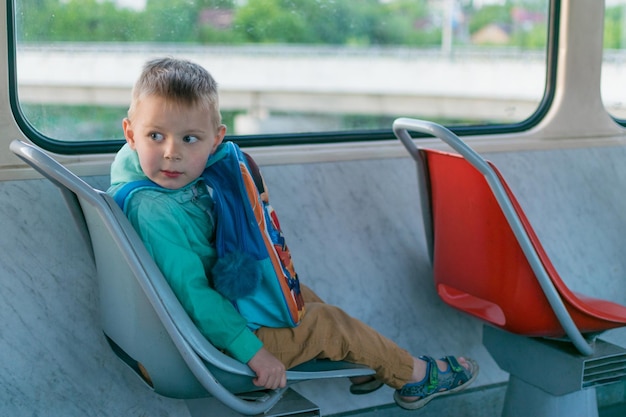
{"type": "Point", "coordinates": [173, 140]}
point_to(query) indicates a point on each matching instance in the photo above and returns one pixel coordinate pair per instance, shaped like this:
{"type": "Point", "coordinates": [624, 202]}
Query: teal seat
{"type": "Point", "coordinates": [142, 319]}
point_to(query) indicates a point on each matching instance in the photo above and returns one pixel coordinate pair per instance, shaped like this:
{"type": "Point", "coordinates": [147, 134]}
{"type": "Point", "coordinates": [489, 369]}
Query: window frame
{"type": "Point", "coordinates": [282, 139]}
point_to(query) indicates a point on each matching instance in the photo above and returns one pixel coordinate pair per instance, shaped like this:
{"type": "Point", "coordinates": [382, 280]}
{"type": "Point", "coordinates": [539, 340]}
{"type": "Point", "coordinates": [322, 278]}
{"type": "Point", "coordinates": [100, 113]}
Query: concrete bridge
{"type": "Point", "coordinates": [264, 80]}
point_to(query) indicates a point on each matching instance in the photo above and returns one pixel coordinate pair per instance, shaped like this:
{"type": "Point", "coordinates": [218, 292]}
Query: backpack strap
{"type": "Point", "coordinates": [234, 195]}
{"type": "Point", "coordinates": [121, 195]}
{"type": "Point", "coordinates": [255, 172]}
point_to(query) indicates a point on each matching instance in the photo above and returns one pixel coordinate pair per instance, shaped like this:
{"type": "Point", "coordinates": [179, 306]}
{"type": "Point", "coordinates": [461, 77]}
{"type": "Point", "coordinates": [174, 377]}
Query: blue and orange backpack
{"type": "Point", "coordinates": [254, 269]}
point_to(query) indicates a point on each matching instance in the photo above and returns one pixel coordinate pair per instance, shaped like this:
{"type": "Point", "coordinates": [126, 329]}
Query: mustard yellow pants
{"type": "Point", "coordinates": [327, 332]}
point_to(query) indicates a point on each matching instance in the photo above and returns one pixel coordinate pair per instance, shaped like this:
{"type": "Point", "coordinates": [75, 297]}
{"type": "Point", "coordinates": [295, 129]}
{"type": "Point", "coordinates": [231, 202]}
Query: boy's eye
{"type": "Point", "coordinates": [190, 139]}
{"type": "Point", "coordinates": [156, 136]}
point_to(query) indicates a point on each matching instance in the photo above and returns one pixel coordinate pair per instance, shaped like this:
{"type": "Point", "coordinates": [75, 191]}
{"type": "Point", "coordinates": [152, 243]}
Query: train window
{"type": "Point", "coordinates": [613, 76]}
{"type": "Point", "coordinates": [286, 68]}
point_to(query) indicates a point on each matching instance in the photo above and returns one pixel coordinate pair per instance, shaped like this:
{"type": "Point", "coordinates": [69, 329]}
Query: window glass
{"type": "Point", "coordinates": [614, 59]}
{"type": "Point", "coordinates": [285, 66]}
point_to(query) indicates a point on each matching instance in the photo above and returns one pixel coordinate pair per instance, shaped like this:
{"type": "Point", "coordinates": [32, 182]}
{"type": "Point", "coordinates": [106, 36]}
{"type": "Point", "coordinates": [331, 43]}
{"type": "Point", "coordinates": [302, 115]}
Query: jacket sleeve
{"type": "Point", "coordinates": [183, 255]}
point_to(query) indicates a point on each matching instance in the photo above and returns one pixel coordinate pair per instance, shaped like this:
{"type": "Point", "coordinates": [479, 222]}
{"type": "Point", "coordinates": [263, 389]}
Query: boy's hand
{"type": "Point", "coordinates": [270, 372]}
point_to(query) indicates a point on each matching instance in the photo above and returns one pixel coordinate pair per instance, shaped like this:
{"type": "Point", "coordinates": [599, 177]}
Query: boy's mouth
{"type": "Point", "coordinates": [171, 174]}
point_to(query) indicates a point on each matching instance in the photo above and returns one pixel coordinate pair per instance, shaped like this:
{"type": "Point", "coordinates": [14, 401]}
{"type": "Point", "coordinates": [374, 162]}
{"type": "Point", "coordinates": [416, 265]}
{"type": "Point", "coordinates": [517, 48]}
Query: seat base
{"type": "Point", "coordinates": [555, 366]}
{"type": "Point", "coordinates": [291, 404]}
{"type": "Point", "coordinates": [523, 399]}
{"type": "Point", "coordinates": [549, 378]}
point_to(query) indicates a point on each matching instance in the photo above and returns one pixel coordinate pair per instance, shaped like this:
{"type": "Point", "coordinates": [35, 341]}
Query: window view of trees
{"type": "Point", "coordinates": [335, 22]}
{"type": "Point", "coordinates": [444, 35]}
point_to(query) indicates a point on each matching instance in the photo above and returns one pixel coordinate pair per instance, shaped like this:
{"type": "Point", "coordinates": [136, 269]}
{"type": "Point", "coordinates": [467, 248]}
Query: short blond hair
{"type": "Point", "coordinates": [180, 81]}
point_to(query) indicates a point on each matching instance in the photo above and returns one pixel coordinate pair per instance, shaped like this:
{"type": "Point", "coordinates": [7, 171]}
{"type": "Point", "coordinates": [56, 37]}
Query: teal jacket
{"type": "Point", "coordinates": [175, 229]}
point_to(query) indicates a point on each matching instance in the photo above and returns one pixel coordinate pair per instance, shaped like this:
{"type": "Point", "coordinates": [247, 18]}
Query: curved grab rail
{"type": "Point", "coordinates": [401, 127]}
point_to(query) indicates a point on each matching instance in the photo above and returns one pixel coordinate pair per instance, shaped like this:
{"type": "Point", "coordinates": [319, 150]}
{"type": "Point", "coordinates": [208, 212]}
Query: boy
{"type": "Point", "coordinates": [173, 132]}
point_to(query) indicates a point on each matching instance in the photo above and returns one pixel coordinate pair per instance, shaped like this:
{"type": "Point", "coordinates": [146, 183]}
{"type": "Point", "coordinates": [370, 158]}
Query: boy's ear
{"type": "Point", "coordinates": [219, 137]}
{"type": "Point", "coordinates": [129, 134]}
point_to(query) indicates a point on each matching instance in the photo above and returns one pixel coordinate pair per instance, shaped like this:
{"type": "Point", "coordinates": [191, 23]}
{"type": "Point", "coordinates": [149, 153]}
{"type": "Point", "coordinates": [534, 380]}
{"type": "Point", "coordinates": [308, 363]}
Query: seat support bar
{"type": "Point", "coordinates": [291, 404]}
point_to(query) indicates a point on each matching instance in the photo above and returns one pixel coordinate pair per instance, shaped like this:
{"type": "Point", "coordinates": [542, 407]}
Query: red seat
{"type": "Point", "coordinates": [481, 269]}
{"type": "Point", "coordinates": [488, 262]}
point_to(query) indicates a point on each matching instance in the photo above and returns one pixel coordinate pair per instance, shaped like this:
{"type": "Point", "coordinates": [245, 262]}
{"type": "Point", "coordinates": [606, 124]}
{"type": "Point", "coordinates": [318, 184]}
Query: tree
{"type": "Point", "coordinates": [170, 21]}
{"type": "Point", "coordinates": [491, 14]}
{"type": "Point", "coordinates": [367, 22]}
{"type": "Point", "coordinates": [74, 20]}
{"type": "Point", "coordinates": [269, 21]}
{"type": "Point", "coordinates": [614, 33]}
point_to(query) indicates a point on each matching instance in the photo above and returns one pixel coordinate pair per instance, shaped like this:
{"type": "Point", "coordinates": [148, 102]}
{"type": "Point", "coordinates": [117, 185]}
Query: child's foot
{"type": "Point", "coordinates": [440, 377]}
{"type": "Point", "coordinates": [364, 384]}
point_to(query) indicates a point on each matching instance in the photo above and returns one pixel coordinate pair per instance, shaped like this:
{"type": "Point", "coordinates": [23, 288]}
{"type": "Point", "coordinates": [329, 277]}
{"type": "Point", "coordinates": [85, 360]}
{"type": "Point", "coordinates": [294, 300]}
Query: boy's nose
{"type": "Point", "coordinates": [171, 151]}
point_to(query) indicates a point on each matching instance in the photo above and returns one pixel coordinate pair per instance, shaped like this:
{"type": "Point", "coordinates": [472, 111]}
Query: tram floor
{"type": "Point", "coordinates": [486, 402]}
{"type": "Point", "coordinates": [615, 410]}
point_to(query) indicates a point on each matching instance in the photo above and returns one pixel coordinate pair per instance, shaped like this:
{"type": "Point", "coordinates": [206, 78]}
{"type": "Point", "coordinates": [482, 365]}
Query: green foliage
{"type": "Point", "coordinates": [169, 21]}
{"type": "Point", "coordinates": [323, 21]}
{"type": "Point", "coordinates": [329, 22]}
{"type": "Point", "coordinates": [535, 38]}
{"type": "Point", "coordinates": [492, 14]}
{"type": "Point", "coordinates": [614, 30]}
{"type": "Point", "coordinates": [216, 4]}
{"type": "Point", "coordinates": [210, 35]}
{"type": "Point", "coordinates": [406, 22]}
{"type": "Point", "coordinates": [74, 20]}
{"type": "Point", "coordinates": [267, 21]}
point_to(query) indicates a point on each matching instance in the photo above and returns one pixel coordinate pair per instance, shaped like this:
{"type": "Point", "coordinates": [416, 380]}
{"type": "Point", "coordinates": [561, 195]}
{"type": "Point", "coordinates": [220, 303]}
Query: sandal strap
{"type": "Point", "coordinates": [426, 386]}
{"type": "Point", "coordinates": [454, 363]}
{"type": "Point", "coordinates": [455, 376]}
{"type": "Point", "coordinates": [436, 380]}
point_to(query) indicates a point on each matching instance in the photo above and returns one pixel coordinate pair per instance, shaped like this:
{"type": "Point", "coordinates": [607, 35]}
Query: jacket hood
{"type": "Point", "coordinates": [126, 167]}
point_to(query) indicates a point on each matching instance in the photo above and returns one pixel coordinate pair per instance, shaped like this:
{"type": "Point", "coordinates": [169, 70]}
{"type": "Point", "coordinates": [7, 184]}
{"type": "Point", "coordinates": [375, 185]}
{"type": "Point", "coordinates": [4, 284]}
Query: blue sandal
{"type": "Point", "coordinates": [436, 383]}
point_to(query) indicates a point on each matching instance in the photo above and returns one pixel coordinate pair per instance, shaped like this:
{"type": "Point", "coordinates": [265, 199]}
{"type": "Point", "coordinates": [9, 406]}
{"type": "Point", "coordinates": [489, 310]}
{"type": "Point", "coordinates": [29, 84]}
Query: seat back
{"type": "Point", "coordinates": [129, 320]}
{"type": "Point", "coordinates": [141, 317]}
{"type": "Point", "coordinates": [487, 260]}
{"type": "Point", "coordinates": [474, 240]}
